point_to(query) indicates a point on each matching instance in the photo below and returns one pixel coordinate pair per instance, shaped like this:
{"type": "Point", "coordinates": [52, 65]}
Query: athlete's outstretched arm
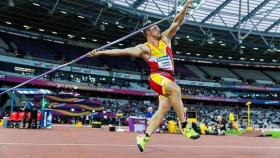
{"type": "Point", "coordinates": [137, 51]}
{"type": "Point", "coordinates": [178, 20]}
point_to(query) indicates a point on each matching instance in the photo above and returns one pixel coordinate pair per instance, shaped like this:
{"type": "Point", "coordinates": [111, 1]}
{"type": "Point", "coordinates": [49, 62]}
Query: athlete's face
{"type": "Point", "coordinates": [155, 32]}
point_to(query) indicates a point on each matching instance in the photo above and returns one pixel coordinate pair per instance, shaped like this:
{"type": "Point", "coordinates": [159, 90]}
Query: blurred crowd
{"type": "Point", "coordinates": [109, 82]}
{"type": "Point", "coordinates": [206, 114]}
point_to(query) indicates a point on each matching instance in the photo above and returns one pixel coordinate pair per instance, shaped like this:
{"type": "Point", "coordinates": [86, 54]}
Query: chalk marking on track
{"type": "Point", "coordinates": [127, 145]}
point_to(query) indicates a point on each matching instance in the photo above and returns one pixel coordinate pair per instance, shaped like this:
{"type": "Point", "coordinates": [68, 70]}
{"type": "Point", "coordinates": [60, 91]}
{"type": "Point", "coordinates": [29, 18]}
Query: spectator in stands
{"type": "Point", "coordinates": [158, 54]}
{"type": "Point", "coordinates": [30, 107]}
{"type": "Point", "coordinates": [221, 125]}
{"type": "Point", "coordinates": [149, 113]}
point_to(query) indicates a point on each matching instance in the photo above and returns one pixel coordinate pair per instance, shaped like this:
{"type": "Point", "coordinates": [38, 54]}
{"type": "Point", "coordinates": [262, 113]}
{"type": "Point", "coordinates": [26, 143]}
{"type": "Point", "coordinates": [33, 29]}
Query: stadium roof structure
{"type": "Point", "coordinates": [259, 15]}
{"type": "Point", "coordinates": [224, 29]}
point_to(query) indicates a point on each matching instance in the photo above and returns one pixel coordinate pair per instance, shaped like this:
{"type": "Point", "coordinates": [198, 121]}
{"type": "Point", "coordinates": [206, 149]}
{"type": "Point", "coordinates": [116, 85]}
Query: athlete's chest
{"type": "Point", "coordinates": [159, 51]}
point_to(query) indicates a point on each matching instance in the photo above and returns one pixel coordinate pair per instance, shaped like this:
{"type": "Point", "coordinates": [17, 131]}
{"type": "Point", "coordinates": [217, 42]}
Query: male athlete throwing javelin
{"type": "Point", "coordinates": [158, 54]}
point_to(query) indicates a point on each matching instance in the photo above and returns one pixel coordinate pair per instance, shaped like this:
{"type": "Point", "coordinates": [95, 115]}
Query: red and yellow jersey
{"type": "Point", "coordinates": [161, 58]}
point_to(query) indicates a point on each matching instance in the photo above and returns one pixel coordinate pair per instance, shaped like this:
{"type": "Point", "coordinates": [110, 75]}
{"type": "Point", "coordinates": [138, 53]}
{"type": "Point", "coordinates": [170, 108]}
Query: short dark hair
{"type": "Point", "coordinates": [145, 24]}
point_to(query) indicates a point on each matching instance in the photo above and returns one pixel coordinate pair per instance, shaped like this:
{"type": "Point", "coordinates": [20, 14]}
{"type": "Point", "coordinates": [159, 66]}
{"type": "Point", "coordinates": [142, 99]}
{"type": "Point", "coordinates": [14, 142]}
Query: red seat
{"type": "Point", "coordinates": [28, 115]}
{"type": "Point", "coordinates": [13, 116]}
{"type": "Point", "coordinates": [20, 116]}
{"type": "Point", "coordinates": [39, 116]}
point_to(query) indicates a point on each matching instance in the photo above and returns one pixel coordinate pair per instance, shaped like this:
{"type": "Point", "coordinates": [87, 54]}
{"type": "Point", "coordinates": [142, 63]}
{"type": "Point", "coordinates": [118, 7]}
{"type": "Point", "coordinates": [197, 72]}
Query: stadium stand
{"type": "Point", "coordinates": [223, 73]}
{"type": "Point", "coordinates": [197, 71]}
{"type": "Point", "coordinates": [3, 46]}
{"type": "Point", "coordinates": [254, 75]}
{"type": "Point", "coordinates": [185, 72]}
{"type": "Point", "coordinates": [60, 52]}
{"type": "Point", "coordinates": [274, 75]}
{"type": "Point", "coordinates": [261, 118]}
{"type": "Point", "coordinates": [31, 47]}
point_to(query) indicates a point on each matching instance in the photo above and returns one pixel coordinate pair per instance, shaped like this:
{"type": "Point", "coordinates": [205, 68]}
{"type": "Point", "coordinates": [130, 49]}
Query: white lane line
{"type": "Point", "coordinates": [127, 145]}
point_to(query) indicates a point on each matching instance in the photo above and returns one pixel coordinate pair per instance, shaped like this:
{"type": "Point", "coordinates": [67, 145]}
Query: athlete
{"type": "Point", "coordinates": [158, 54]}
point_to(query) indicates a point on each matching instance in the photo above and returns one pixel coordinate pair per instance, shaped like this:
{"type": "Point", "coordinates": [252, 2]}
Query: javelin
{"type": "Point", "coordinates": [85, 55]}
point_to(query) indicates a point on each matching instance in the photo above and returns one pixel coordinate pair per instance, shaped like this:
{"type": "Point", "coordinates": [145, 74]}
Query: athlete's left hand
{"type": "Point", "coordinates": [93, 53]}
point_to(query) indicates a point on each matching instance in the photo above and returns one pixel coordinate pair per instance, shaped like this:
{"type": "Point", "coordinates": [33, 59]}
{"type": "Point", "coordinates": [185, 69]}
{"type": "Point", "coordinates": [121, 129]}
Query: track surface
{"type": "Point", "coordinates": [69, 142]}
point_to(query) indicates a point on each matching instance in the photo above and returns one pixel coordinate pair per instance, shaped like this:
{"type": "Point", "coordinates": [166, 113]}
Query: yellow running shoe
{"type": "Point", "coordinates": [142, 141]}
{"type": "Point", "coordinates": [189, 132]}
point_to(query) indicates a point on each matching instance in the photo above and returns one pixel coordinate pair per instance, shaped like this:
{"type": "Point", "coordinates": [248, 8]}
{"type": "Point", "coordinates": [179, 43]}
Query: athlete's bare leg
{"type": "Point", "coordinates": [173, 93]}
{"type": "Point", "coordinates": [156, 120]}
{"type": "Point", "coordinates": [171, 97]}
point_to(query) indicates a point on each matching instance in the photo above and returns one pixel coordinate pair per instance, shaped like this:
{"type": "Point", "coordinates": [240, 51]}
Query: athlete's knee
{"type": "Point", "coordinates": [164, 108]}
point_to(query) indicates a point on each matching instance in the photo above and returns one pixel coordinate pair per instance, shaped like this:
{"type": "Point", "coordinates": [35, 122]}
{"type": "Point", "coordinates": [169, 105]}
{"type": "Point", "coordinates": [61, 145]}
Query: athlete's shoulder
{"type": "Point", "coordinates": [146, 52]}
{"type": "Point", "coordinates": [144, 47]}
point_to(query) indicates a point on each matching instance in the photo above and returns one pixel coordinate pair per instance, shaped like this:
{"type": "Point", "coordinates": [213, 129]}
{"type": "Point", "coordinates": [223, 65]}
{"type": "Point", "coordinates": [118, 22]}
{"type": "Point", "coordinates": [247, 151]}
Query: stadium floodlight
{"type": "Point", "coordinates": [70, 36]}
{"type": "Point", "coordinates": [210, 38]}
{"type": "Point", "coordinates": [63, 12]}
{"type": "Point", "coordinates": [36, 4]}
{"type": "Point", "coordinates": [11, 3]}
{"type": "Point", "coordinates": [105, 23]}
{"type": "Point", "coordinates": [242, 47]}
{"type": "Point", "coordinates": [210, 42]}
{"type": "Point", "coordinates": [110, 3]}
{"type": "Point", "coordinates": [26, 27]}
{"type": "Point", "coordinates": [81, 17]}
{"type": "Point", "coordinates": [121, 27]}
{"type": "Point", "coordinates": [272, 48]}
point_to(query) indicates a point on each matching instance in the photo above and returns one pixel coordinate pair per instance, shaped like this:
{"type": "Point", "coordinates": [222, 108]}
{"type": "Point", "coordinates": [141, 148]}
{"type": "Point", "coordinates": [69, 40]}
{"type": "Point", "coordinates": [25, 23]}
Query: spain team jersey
{"type": "Point", "coordinates": [161, 58]}
{"type": "Point", "coordinates": [162, 66]}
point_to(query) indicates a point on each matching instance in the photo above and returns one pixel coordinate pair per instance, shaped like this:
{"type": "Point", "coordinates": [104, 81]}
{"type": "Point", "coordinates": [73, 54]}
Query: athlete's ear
{"type": "Point", "coordinates": [145, 33]}
{"type": "Point", "coordinates": [145, 24]}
